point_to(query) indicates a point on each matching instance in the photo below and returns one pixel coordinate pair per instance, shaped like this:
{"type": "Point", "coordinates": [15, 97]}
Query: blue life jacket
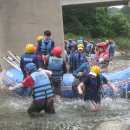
{"type": "Point", "coordinates": [80, 59]}
{"type": "Point", "coordinates": [46, 49]}
{"type": "Point", "coordinates": [72, 58]}
{"type": "Point", "coordinates": [80, 41]}
{"type": "Point", "coordinates": [88, 48]}
{"type": "Point", "coordinates": [112, 49]}
{"type": "Point", "coordinates": [56, 66]}
{"type": "Point", "coordinates": [27, 58]}
{"type": "Point", "coordinates": [93, 87]}
{"type": "Point", "coordinates": [85, 68]}
{"type": "Point", "coordinates": [42, 86]}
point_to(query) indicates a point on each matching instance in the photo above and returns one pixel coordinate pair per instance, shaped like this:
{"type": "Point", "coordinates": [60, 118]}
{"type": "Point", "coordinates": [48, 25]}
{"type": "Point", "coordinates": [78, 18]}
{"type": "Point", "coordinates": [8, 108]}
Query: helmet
{"type": "Point", "coordinates": [102, 44]}
{"type": "Point", "coordinates": [110, 41]}
{"type": "Point", "coordinates": [95, 69]}
{"type": "Point", "coordinates": [39, 38]}
{"type": "Point", "coordinates": [30, 66]}
{"type": "Point", "coordinates": [73, 44]}
{"type": "Point", "coordinates": [65, 41]}
{"type": "Point", "coordinates": [57, 51]}
{"type": "Point", "coordinates": [29, 48]}
{"type": "Point", "coordinates": [80, 46]}
{"type": "Point", "coordinates": [106, 41]}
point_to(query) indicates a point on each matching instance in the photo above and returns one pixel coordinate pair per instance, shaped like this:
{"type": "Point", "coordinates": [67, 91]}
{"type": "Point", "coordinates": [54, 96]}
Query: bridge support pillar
{"type": "Point", "coordinates": [21, 21]}
{"type": "Point", "coordinates": [129, 3]}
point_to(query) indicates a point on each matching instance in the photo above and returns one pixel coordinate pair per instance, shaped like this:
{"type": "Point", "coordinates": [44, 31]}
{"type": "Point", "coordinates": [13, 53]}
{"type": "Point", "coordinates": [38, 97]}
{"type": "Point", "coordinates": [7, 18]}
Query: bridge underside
{"type": "Point", "coordinates": [72, 3]}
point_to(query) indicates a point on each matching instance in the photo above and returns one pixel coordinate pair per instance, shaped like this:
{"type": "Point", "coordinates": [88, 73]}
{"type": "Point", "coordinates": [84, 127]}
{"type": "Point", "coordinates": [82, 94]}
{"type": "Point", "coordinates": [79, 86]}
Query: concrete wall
{"type": "Point", "coordinates": [102, 2]}
{"type": "Point", "coordinates": [21, 21]}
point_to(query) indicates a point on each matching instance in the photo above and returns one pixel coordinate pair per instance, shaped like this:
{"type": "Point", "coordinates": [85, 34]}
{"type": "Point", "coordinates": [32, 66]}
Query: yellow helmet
{"type": "Point", "coordinates": [95, 69]}
{"type": "Point", "coordinates": [80, 46]}
{"type": "Point", "coordinates": [39, 38]}
{"type": "Point", "coordinates": [106, 41]}
{"type": "Point", "coordinates": [29, 48]}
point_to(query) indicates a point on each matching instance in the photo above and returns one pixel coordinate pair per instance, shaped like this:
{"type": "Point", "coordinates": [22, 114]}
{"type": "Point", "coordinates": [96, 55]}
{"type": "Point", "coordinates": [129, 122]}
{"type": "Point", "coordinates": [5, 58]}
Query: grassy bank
{"type": "Point", "coordinates": [123, 43]}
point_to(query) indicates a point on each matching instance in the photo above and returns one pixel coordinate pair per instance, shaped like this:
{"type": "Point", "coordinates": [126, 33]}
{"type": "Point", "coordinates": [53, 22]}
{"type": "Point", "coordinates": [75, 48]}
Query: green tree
{"type": "Point", "coordinates": [126, 11]}
{"type": "Point", "coordinates": [120, 25]}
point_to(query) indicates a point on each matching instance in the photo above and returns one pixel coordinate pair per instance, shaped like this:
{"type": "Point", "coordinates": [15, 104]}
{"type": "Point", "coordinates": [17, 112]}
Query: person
{"type": "Point", "coordinates": [57, 65]}
{"type": "Point", "coordinates": [28, 57]}
{"type": "Point", "coordinates": [43, 96]}
{"type": "Point", "coordinates": [39, 38]}
{"type": "Point", "coordinates": [45, 47]}
{"type": "Point", "coordinates": [80, 56]}
{"type": "Point", "coordinates": [103, 55]}
{"type": "Point", "coordinates": [92, 86]}
{"type": "Point", "coordinates": [89, 48]}
{"type": "Point", "coordinates": [67, 46]}
{"type": "Point", "coordinates": [80, 41]}
{"type": "Point", "coordinates": [82, 72]}
{"type": "Point", "coordinates": [111, 49]}
{"type": "Point", "coordinates": [72, 58]}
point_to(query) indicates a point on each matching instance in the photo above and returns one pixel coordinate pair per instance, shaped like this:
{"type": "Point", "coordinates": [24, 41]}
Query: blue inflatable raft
{"type": "Point", "coordinates": [121, 79]}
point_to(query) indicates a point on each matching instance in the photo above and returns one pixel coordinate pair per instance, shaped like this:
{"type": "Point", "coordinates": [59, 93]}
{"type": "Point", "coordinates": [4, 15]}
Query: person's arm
{"type": "Point", "coordinates": [81, 88]}
{"type": "Point", "coordinates": [15, 87]}
{"type": "Point", "coordinates": [109, 84]}
{"type": "Point", "coordinates": [28, 81]}
{"type": "Point", "coordinates": [112, 86]}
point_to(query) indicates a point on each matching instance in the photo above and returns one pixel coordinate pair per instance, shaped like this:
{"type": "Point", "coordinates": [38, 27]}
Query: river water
{"type": "Point", "coordinates": [71, 114]}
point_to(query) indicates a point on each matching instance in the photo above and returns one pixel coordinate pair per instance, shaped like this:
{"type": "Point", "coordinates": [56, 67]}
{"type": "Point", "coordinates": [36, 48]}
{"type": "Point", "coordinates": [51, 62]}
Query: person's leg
{"type": "Point", "coordinates": [50, 109]}
{"type": "Point", "coordinates": [35, 107]}
{"type": "Point", "coordinates": [57, 85]}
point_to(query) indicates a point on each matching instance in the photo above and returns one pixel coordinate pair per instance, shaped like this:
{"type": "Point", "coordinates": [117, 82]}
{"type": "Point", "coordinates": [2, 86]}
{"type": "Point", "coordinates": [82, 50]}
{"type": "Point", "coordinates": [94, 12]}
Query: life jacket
{"type": "Point", "coordinates": [80, 59]}
{"type": "Point", "coordinates": [80, 41]}
{"type": "Point", "coordinates": [27, 58]}
{"type": "Point", "coordinates": [106, 56]}
{"type": "Point", "coordinates": [46, 48]}
{"type": "Point", "coordinates": [55, 64]}
{"type": "Point", "coordinates": [42, 88]}
{"type": "Point", "coordinates": [111, 49]}
{"type": "Point", "coordinates": [88, 48]}
{"type": "Point", "coordinates": [72, 58]}
{"type": "Point", "coordinates": [93, 87]}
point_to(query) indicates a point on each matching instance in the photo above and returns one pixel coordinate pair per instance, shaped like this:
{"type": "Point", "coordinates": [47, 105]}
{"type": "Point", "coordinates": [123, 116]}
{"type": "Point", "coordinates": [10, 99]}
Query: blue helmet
{"type": "Point", "coordinates": [73, 44]}
{"type": "Point", "coordinates": [30, 66]}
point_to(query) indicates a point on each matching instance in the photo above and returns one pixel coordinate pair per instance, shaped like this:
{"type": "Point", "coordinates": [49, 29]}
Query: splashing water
{"type": "Point", "coordinates": [71, 114]}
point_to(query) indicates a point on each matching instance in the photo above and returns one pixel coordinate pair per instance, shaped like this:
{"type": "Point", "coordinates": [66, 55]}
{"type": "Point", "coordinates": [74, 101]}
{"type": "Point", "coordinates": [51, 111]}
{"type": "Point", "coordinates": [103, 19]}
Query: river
{"type": "Point", "coordinates": [71, 114]}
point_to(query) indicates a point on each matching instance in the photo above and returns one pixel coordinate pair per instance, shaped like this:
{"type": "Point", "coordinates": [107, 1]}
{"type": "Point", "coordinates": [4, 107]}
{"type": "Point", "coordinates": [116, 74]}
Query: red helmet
{"type": "Point", "coordinates": [110, 41]}
{"type": "Point", "coordinates": [102, 44]}
{"type": "Point", "coordinates": [57, 51]}
{"type": "Point", "coordinates": [65, 41]}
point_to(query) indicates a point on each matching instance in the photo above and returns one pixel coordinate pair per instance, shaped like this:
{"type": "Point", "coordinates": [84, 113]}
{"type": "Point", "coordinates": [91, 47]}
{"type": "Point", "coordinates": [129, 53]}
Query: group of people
{"type": "Point", "coordinates": [79, 50]}
{"type": "Point", "coordinates": [43, 68]}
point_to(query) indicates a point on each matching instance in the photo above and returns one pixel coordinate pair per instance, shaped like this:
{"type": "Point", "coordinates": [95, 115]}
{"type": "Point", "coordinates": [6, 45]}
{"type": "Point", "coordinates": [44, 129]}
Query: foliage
{"type": "Point", "coordinates": [95, 22]}
{"type": "Point", "coordinates": [120, 25]}
{"type": "Point", "coordinates": [126, 11]}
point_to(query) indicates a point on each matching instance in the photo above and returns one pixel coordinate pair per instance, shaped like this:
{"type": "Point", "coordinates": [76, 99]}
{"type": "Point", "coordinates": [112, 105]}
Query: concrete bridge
{"type": "Point", "coordinates": [21, 21]}
{"type": "Point", "coordinates": [95, 2]}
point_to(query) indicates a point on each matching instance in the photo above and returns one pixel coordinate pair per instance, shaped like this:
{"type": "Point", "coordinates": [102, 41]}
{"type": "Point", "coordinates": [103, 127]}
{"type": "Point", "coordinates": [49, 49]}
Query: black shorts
{"type": "Point", "coordinates": [46, 105]}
